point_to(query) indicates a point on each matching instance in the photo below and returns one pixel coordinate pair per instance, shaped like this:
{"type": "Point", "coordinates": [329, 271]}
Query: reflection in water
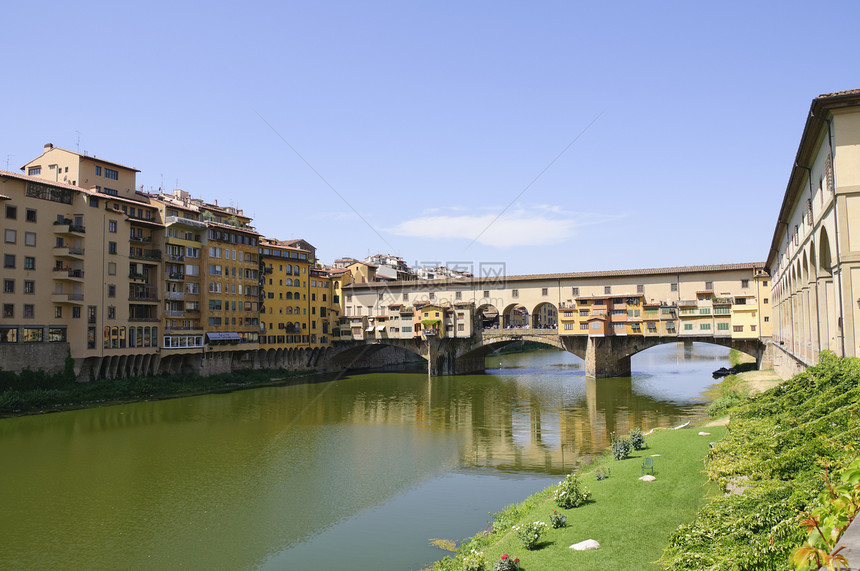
{"type": "Point", "coordinates": [318, 475]}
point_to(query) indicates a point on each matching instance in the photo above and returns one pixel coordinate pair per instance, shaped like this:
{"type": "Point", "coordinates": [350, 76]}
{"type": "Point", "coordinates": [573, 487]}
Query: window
{"type": "Point", "coordinates": [583, 326]}
{"type": "Point", "coordinates": [764, 283]}
{"type": "Point", "coordinates": [704, 311]}
{"type": "Point", "coordinates": [8, 286]}
{"type": "Point", "coordinates": [486, 293]}
{"type": "Point", "coordinates": [607, 290]}
{"type": "Point", "coordinates": [722, 326]}
{"type": "Point", "coordinates": [11, 212]}
{"type": "Point", "coordinates": [405, 296]}
{"type": "Point", "coordinates": [574, 291]}
{"type": "Point", "coordinates": [709, 286]}
{"type": "Point", "coordinates": [111, 312]}
{"type": "Point", "coordinates": [29, 263]}
{"type": "Point", "coordinates": [94, 203]}
{"type": "Point", "coordinates": [29, 311]}
{"type": "Point", "coordinates": [34, 171]}
{"type": "Point", "coordinates": [98, 170]}
{"type": "Point", "coordinates": [11, 236]}
{"type": "Point", "coordinates": [544, 291]}
{"type": "Point", "coordinates": [766, 319]}
{"type": "Point", "coordinates": [595, 325]}
{"type": "Point", "coordinates": [29, 238]}
{"type": "Point", "coordinates": [111, 174]}
{"type": "Point", "coordinates": [745, 283]}
{"type": "Point", "coordinates": [58, 311]}
{"type": "Point", "coordinates": [8, 310]}
{"type": "Point", "coordinates": [112, 226]}
{"type": "Point", "coordinates": [674, 287]}
{"type": "Point", "coordinates": [515, 293]}
{"type": "Point", "coordinates": [432, 295]}
{"type": "Point", "coordinates": [111, 268]}
{"type": "Point", "coordinates": [738, 328]}
{"type": "Point", "coordinates": [688, 327]}
{"type": "Point", "coordinates": [640, 288]}
{"type": "Point", "coordinates": [752, 327]}
{"type": "Point", "coordinates": [29, 287]}
{"type": "Point", "coordinates": [457, 295]}
{"type": "Point", "coordinates": [31, 215]}
{"type": "Point", "coordinates": [111, 247]}
{"type": "Point", "coordinates": [111, 290]}
{"type": "Point", "coordinates": [766, 301]}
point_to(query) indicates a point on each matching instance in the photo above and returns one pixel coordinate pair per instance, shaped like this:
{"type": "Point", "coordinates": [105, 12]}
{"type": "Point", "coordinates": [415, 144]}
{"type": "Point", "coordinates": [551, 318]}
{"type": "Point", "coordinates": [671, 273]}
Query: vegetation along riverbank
{"type": "Point", "coordinates": [764, 501]}
{"type": "Point", "coordinates": [34, 392]}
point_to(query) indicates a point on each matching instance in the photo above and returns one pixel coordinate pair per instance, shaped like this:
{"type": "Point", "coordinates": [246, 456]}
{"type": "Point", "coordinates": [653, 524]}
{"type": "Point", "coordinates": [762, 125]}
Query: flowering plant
{"type": "Point", "coordinates": [507, 563]}
{"type": "Point", "coordinates": [530, 533]}
{"type": "Point", "coordinates": [557, 520]}
{"type": "Point", "coordinates": [570, 493]}
{"type": "Point", "coordinates": [474, 561]}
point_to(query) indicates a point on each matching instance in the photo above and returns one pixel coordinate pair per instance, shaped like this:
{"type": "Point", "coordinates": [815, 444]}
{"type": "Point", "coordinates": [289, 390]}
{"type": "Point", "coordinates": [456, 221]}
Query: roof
{"type": "Point", "coordinates": [816, 122]}
{"type": "Point", "coordinates": [280, 244]}
{"type": "Point", "coordinates": [85, 157]}
{"type": "Point", "coordinates": [29, 178]}
{"type": "Point", "coordinates": [493, 280]}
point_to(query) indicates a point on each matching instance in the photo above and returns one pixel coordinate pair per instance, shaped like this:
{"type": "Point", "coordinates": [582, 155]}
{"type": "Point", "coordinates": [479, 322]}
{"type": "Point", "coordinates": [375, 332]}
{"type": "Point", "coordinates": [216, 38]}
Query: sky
{"type": "Point", "coordinates": [545, 136]}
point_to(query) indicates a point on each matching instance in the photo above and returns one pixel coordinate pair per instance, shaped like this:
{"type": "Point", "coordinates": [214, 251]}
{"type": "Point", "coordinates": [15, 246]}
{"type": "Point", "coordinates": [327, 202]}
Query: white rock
{"type": "Point", "coordinates": [704, 434]}
{"type": "Point", "coordinates": [585, 545]}
{"type": "Point", "coordinates": [647, 478]}
{"type": "Point", "coordinates": [654, 455]}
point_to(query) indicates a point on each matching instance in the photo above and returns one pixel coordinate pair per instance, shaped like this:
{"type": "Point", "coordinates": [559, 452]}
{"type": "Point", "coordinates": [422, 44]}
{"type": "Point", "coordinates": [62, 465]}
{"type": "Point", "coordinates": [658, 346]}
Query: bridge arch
{"type": "Point", "coordinates": [487, 317]}
{"type": "Point", "coordinates": [515, 315]}
{"type": "Point", "coordinates": [545, 316]}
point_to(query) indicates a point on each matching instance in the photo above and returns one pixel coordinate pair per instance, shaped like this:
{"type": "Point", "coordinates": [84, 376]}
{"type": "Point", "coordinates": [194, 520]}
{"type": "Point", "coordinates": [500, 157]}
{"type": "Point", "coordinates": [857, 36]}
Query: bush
{"type": "Point", "coordinates": [724, 403]}
{"type": "Point", "coordinates": [474, 561]}
{"type": "Point", "coordinates": [530, 533]}
{"type": "Point", "coordinates": [602, 473]}
{"type": "Point", "coordinates": [637, 438]}
{"type": "Point", "coordinates": [621, 448]}
{"type": "Point", "coordinates": [556, 520]}
{"type": "Point", "coordinates": [570, 493]}
{"type": "Point", "coordinates": [506, 563]}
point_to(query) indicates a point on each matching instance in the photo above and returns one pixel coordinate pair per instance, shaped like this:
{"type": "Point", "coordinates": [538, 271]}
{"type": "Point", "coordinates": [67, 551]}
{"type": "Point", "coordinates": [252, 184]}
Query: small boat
{"type": "Point", "coordinates": [723, 372]}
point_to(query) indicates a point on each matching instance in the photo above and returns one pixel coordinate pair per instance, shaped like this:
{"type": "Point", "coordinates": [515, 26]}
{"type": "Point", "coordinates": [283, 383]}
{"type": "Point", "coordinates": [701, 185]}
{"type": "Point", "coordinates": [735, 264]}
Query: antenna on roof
{"type": "Point", "coordinates": [8, 157]}
{"type": "Point", "coordinates": [79, 142]}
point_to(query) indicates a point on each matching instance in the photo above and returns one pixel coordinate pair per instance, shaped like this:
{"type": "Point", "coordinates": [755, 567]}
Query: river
{"type": "Point", "coordinates": [360, 472]}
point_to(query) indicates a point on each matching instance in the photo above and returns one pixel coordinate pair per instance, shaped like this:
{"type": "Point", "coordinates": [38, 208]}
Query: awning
{"type": "Point", "coordinates": [380, 327]}
{"type": "Point", "coordinates": [430, 321]}
{"type": "Point", "coordinates": [369, 328]}
{"type": "Point", "coordinates": [231, 336]}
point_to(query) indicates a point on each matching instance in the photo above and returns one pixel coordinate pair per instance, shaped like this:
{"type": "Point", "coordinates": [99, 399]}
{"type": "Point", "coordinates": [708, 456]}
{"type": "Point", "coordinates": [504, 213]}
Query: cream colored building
{"type": "Point", "coordinates": [815, 253]}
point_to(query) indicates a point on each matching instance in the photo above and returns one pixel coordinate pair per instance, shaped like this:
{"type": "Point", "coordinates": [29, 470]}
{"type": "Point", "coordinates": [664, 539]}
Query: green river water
{"type": "Point", "coordinates": [360, 472]}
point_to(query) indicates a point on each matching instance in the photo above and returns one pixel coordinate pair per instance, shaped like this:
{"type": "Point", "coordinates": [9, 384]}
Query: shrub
{"type": "Point", "coordinates": [621, 448]}
{"type": "Point", "coordinates": [637, 438]}
{"type": "Point", "coordinates": [506, 563]}
{"type": "Point", "coordinates": [724, 403]}
{"type": "Point", "coordinates": [570, 493]}
{"type": "Point", "coordinates": [474, 561]}
{"type": "Point", "coordinates": [557, 520]}
{"type": "Point", "coordinates": [602, 473]}
{"type": "Point", "coordinates": [530, 533]}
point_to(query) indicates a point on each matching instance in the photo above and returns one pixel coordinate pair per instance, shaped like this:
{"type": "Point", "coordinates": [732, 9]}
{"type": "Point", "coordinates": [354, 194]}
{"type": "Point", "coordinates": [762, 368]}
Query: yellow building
{"type": "Point", "coordinates": [286, 317]}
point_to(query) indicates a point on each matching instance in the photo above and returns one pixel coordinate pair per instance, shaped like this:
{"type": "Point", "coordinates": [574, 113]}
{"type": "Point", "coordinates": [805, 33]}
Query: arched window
{"type": "Point", "coordinates": [107, 338]}
{"type": "Point", "coordinates": [146, 336]}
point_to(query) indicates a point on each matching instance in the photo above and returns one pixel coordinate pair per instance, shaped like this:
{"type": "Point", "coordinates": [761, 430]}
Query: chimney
{"type": "Point", "coordinates": [48, 147]}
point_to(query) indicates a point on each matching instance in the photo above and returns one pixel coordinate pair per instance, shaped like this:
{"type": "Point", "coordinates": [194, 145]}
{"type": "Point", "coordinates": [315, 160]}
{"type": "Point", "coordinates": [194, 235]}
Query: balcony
{"type": "Point", "coordinates": [144, 319]}
{"type": "Point", "coordinates": [174, 276]}
{"type": "Point", "coordinates": [176, 295]}
{"type": "Point", "coordinates": [67, 226]}
{"type": "Point", "coordinates": [176, 257]}
{"type": "Point", "coordinates": [69, 252]}
{"type": "Point", "coordinates": [143, 298]}
{"type": "Point", "coordinates": [71, 298]}
{"type": "Point", "coordinates": [175, 313]}
{"type": "Point", "coordinates": [140, 239]}
{"type": "Point", "coordinates": [148, 255]}
{"type": "Point", "coordinates": [68, 274]}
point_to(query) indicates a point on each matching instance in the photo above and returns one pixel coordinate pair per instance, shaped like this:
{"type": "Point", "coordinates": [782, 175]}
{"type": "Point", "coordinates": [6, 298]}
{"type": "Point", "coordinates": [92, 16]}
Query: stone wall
{"type": "Point", "coordinates": [48, 357]}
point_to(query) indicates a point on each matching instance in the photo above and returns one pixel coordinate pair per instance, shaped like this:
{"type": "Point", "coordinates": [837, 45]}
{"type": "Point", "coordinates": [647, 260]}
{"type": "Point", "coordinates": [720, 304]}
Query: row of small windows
{"type": "Point", "coordinates": [115, 337]}
{"type": "Point", "coordinates": [32, 334]}
{"type": "Point", "coordinates": [12, 213]}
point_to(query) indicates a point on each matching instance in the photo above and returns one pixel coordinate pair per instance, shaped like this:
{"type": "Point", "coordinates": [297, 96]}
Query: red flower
{"type": "Point", "coordinates": [516, 560]}
{"type": "Point", "coordinates": [505, 556]}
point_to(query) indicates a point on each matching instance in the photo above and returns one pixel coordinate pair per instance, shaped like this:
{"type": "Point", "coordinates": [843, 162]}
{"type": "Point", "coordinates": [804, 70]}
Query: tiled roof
{"type": "Point", "coordinates": [574, 275]}
{"type": "Point", "coordinates": [839, 93]}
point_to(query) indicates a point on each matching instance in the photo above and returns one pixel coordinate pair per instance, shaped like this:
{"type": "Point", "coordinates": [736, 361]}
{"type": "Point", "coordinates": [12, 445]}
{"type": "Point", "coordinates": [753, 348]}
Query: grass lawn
{"type": "Point", "coordinates": [630, 519]}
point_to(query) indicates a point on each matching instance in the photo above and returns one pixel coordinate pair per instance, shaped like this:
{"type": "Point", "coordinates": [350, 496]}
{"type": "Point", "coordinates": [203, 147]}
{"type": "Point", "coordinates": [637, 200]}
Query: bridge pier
{"type": "Point", "coordinates": [607, 357]}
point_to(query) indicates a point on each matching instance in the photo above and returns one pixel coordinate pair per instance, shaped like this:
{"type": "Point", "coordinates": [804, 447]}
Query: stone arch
{"type": "Point", "coordinates": [487, 317]}
{"type": "Point", "coordinates": [804, 268]}
{"type": "Point", "coordinates": [824, 259]}
{"type": "Point", "coordinates": [813, 268]}
{"type": "Point", "coordinates": [515, 315]}
{"type": "Point", "coordinates": [545, 316]}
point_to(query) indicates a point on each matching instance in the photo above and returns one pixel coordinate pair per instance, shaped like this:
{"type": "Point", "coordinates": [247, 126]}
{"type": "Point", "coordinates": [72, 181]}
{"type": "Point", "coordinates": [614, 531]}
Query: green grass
{"type": "Point", "coordinates": [631, 519]}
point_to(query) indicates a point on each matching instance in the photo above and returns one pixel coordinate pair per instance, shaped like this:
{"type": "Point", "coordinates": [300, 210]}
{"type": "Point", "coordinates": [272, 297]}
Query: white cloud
{"type": "Point", "coordinates": [544, 226]}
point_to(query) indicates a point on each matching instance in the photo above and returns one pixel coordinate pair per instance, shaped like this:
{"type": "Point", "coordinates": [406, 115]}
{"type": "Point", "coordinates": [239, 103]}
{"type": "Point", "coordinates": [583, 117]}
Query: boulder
{"type": "Point", "coordinates": [647, 478]}
{"type": "Point", "coordinates": [704, 434]}
{"type": "Point", "coordinates": [585, 545]}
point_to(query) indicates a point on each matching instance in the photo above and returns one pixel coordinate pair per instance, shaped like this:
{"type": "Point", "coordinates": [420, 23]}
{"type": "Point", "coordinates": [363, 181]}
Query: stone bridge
{"type": "Point", "coordinates": [604, 356]}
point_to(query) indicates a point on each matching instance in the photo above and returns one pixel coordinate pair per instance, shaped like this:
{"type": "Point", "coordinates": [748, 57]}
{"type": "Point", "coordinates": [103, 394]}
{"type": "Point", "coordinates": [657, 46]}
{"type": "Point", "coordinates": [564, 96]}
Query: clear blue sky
{"type": "Point", "coordinates": [430, 118]}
